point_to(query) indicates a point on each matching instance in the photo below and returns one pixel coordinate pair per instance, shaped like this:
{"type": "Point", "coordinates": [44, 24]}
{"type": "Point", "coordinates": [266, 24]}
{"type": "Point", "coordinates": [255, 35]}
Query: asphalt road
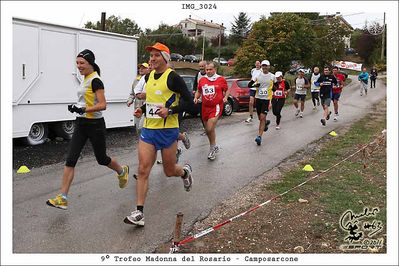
{"type": "Point", "coordinates": [94, 221]}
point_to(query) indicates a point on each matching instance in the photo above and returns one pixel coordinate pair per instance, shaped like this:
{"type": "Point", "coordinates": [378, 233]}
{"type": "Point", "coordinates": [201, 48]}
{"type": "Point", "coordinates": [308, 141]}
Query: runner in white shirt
{"type": "Point", "coordinates": [254, 73]}
{"type": "Point", "coordinates": [315, 90]}
{"type": "Point", "coordinates": [301, 85]}
{"type": "Point", "coordinates": [264, 84]}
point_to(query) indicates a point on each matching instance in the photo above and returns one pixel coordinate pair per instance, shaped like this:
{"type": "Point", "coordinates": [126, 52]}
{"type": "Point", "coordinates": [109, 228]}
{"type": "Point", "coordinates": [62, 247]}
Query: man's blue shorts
{"type": "Point", "coordinates": [161, 138]}
{"type": "Point", "coordinates": [252, 92]}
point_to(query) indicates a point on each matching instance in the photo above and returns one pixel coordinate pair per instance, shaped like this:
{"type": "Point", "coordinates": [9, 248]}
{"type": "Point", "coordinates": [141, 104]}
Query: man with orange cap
{"type": "Point", "coordinates": [160, 131]}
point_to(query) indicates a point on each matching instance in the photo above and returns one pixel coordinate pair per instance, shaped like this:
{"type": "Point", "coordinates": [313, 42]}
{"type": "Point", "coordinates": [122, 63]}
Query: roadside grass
{"type": "Point", "coordinates": [349, 186]}
{"type": "Point", "coordinates": [287, 224]}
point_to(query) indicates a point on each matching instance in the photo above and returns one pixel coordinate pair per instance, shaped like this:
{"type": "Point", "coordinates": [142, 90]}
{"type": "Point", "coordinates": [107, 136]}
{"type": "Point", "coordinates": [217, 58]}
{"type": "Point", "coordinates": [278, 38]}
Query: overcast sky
{"type": "Point", "coordinates": [150, 14]}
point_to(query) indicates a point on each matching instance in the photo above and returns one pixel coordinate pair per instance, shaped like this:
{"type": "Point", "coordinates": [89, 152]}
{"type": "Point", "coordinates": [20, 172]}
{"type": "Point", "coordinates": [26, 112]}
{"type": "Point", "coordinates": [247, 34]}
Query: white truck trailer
{"type": "Point", "coordinates": [45, 77]}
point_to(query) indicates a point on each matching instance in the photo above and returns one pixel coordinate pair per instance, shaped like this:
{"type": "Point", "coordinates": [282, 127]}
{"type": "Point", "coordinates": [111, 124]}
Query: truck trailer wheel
{"type": "Point", "coordinates": [64, 129]}
{"type": "Point", "coordinates": [38, 134]}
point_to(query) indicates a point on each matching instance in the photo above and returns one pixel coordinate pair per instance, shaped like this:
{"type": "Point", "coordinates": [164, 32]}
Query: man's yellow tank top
{"type": "Point", "coordinates": [159, 95]}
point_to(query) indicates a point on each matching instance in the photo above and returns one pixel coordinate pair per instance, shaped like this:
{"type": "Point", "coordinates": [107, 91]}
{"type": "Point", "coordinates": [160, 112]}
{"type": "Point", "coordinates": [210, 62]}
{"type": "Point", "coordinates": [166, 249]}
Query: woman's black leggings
{"type": "Point", "coordinates": [94, 130]}
{"type": "Point", "coordinates": [277, 106]}
{"type": "Point", "coordinates": [372, 82]}
{"type": "Point", "coordinates": [315, 97]}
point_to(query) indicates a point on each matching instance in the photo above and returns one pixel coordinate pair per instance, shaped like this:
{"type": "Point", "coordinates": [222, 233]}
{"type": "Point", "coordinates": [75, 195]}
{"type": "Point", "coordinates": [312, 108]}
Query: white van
{"type": "Point", "coordinates": [45, 77]}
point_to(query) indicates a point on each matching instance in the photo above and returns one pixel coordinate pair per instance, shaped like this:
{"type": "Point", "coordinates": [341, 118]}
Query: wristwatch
{"type": "Point", "coordinates": [170, 111]}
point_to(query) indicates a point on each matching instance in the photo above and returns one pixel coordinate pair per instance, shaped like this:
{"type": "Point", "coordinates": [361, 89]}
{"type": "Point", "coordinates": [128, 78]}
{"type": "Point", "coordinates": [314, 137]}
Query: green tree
{"type": "Point", "coordinates": [368, 46]}
{"type": "Point", "coordinates": [328, 42]}
{"type": "Point", "coordinates": [309, 15]}
{"type": "Point", "coordinates": [280, 39]}
{"type": "Point", "coordinates": [173, 38]}
{"type": "Point", "coordinates": [117, 25]}
{"type": "Point", "coordinates": [240, 28]}
{"type": "Point", "coordinates": [247, 55]}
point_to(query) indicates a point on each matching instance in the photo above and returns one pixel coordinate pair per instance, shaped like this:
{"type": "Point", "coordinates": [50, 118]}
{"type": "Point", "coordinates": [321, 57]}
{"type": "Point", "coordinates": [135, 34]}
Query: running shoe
{"type": "Point", "coordinates": [361, 94]}
{"type": "Point", "coordinates": [278, 128]}
{"type": "Point", "coordinates": [314, 107]}
{"type": "Point", "coordinates": [258, 140]}
{"type": "Point", "coordinates": [301, 114]}
{"type": "Point", "coordinates": [323, 122]}
{"type": "Point", "coordinates": [188, 180]}
{"type": "Point", "coordinates": [212, 154]}
{"type": "Point", "coordinates": [328, 116]}
{"type": "Point", "coordinates": [136, 218]}
{"type": "Point", "coordinates": [58, 202]}
{"type": "Point", "coordinates": [365, 91]}
{"type": "Point", "coordinates": [216, 148]}
{"type": "Point", "coordinates": [179, 151]}
{"type": "Point", "coordinates": [336, 117]}
{"type": "Point", "coordinates": [248, 120]}
{"type": "Point", "coordinates": [297, 112]}
{"type": "Point", "coordinates": [186, 141]}
{"type": "Point", "coordinates": [266, 125]}
{"type": "Point", "coordinates": [124, 178]}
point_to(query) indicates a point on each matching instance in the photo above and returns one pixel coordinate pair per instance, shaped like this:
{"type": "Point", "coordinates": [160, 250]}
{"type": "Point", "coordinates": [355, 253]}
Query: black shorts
{"type": "Point", "coordinates": [326, 101]}
{"type": "Point", "coordinates": [262, 106]}
{"type": "Point", "coordinates": [300, 97]}
{"type": "Point", "coordinates": [252, 92]}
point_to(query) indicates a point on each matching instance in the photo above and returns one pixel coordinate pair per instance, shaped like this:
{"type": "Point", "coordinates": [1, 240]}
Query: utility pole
{"type": "Point", "coordinates": [203, 46]}
{"type": "Point", "coordinates": [220, 42]}
{"type": "Point", "coordinates": [383, 40]}
{"type": "Point", "coordinates": [103, 21]}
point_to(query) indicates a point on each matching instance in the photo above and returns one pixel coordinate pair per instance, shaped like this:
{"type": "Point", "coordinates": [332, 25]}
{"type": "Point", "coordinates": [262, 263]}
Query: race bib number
{"type": "Point", "coordinates": [262, 92]}
{"type": "Point", "coordinates": [208, 90]}
{"type": "Point", "coordinates": [152, 109]}
{"type": "Point", "coordinates": [299, 88]}
{"type": "Point", "coordinates": [278, 93]}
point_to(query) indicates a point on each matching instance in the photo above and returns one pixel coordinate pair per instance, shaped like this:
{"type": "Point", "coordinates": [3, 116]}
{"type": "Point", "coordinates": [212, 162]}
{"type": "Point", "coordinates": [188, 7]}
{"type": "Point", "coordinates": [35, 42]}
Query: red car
{"type": "Point", "coordinates": [239, 93]}
{"type": "Point", "coordinates": [231, 62]}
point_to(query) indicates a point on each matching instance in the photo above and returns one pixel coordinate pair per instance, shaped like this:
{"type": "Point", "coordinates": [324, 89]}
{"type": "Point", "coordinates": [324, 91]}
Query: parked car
{"type": "Point", "coordinates": [223, 62]}
{"type": "Point", "coordinates": [294, 70]}
{"type": "Point", "coordinates": [350, 51]}
{"type": "Point", "coordinates": [189, 80]}
{"type": "Point", "coordinates": [231, 62]}
{"type": "Point", "coordinates": [176, 57]}
{"type": "Point", "coordinates": [239, 93]}
{"type": "Point", "coordinates": [190, 58]}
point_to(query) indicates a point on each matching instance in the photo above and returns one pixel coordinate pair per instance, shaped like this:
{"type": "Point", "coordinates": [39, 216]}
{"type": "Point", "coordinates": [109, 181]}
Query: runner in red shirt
{"type": "Point", "coordinates": [213, 89]}
{"type": "Point", "coordinates": [336, 90]}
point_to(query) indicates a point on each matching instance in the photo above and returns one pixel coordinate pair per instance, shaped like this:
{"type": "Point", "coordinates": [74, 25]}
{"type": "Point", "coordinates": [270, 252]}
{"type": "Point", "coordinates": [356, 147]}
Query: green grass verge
{"type": "Point", "coordinates": [350, 185]}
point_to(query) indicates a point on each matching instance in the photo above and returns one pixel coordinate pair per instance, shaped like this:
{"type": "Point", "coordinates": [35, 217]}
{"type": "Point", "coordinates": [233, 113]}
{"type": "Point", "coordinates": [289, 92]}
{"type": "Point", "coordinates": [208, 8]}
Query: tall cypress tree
{"type": "Point", "coordinates": [240, 28]}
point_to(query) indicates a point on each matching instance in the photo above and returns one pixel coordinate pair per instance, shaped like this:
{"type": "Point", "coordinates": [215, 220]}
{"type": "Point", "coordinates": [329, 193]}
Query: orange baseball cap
{"type": "Point", "coordinates": [158, 46]}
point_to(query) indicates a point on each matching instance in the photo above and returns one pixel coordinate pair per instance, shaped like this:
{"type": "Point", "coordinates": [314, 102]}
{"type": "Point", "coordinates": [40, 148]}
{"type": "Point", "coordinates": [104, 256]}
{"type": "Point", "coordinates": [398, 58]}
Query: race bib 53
{"type": "Point", "coordinates": [208, 90]}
